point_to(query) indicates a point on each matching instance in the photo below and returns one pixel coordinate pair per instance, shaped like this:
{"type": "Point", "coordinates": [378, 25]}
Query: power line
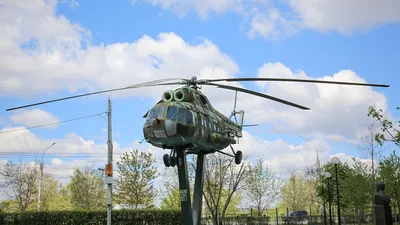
{"type": "Point", "coordinates": [49, 124]}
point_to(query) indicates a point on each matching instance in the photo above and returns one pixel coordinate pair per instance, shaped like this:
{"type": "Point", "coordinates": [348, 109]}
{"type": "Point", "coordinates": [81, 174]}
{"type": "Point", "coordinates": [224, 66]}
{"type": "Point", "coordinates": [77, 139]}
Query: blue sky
{"type": "Point", "coordinates": [124, 37]}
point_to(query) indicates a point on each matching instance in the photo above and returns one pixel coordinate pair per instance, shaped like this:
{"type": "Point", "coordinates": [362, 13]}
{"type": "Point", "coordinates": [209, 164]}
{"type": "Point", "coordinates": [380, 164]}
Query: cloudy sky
{"type": "Point", "coordinates": [51, 49]}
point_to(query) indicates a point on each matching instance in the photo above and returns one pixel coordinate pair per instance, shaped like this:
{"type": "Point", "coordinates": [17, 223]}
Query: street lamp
{"type": "Point", "coordinates": [41, 178]}
{"type": "Point", "coordinates": [316, 148]}
{"type": "Point", "coordinates": [335, 160]}
{"type": "Point", "coordinates": [328, 176]}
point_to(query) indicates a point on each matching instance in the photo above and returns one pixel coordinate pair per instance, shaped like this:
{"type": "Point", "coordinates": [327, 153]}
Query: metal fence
{"type": "Point", "coordinates": [276, 218]}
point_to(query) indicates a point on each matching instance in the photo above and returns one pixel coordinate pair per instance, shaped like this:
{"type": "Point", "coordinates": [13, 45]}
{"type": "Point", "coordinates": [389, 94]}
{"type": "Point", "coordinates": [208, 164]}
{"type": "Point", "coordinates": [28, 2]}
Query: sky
{"type": "Point", "coordinates": [52, 49]}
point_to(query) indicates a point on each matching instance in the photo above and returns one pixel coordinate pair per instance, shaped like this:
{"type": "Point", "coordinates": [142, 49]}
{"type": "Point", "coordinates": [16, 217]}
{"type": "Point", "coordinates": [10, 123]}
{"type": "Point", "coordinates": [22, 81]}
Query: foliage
{"type": "Point", "coordinates": [343, 172]}
{"type": "Point", "coordinates": [87, 190]}
{"type": "Point", "coordinates": [21, 179]}
{"type": "Point", "coordinates": [154, 217]}
{"type": "Point", "coordinates": [221, 181]}
{"type": "Point", "coordinates": [298, 193]}
{"type": "Point", "coordinates": [389, 173]}
{"type": "Point", "coordinates": [49, 192]}
{"type": "Point", "coordinates": [359, 185]}
{"type": "Point", "coordinates": [134, 184]}
{"type": "Point", "coordinates": [263, 187]}
{"type": "Point", "coordinates": [388, 127]}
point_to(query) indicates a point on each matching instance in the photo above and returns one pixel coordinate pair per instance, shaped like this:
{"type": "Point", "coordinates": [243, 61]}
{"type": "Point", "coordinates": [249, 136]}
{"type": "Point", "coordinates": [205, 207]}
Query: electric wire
{"type": "Point", "coordinates": [49, 124]}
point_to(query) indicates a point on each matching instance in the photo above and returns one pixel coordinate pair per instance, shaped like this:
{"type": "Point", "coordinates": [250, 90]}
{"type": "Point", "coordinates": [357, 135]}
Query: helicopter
{"type": "Point", "coordinates": [185, 122]}
{"type": "Point", "coordinates": [185, 118]}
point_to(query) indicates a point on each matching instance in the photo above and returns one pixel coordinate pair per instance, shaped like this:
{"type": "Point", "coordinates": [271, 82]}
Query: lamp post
{"type": "Point", "coordinates": [41, 179]}
{"type": "Point", "coordinates": [316, 149]}
{"type": "Point", "coordinates": [328, 176]}
{"type": "Point", "coordinates": [335, 160]}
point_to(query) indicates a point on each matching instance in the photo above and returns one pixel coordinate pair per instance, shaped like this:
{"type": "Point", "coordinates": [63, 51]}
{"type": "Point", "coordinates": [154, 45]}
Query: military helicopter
{"type": "Point", "coordinates": [185, 117]}
{"type": "Point", "coordinates": [185, 122]}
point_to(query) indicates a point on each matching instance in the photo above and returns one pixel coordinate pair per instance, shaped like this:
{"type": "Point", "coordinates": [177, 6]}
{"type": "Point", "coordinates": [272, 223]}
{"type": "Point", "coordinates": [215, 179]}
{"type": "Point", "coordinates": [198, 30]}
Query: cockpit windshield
{"type": "Point", "coordinates": [181, 115]}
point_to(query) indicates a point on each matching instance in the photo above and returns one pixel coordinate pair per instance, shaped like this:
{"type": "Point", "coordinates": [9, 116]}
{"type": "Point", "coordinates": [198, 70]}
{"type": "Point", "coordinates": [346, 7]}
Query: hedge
{"type": "Point", "coordinates": [119, 217]}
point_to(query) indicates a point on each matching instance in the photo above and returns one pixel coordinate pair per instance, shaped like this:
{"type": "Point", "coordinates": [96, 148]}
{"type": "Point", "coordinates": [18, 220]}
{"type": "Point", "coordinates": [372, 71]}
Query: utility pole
{"type": "Point", "coordinates": [109, 166]}
{"type": "Point", "coordinates": [41, 179]}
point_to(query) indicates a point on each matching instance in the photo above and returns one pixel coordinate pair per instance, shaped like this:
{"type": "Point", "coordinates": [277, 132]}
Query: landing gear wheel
{"type": "Point", "coordinates": [172, 161]}
{"type": "Point", "coordinates": [166, 159]}
{"type": "Point", "coordinates": [238, 157]}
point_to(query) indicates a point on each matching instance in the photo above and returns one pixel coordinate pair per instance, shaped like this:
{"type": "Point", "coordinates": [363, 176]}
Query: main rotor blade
{"type": "Point", "coordinates": [146, 84]}
{"type": "Point", "coordinates": [297, 80]}
{"type": "Point", "coordinates": [260, 95]}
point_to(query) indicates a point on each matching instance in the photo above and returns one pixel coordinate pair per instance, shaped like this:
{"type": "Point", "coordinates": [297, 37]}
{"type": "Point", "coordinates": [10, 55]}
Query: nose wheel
{"type": "Point", "coordinates": [170, 160]}
{"type": "Point", "coordinates": [238, 157]}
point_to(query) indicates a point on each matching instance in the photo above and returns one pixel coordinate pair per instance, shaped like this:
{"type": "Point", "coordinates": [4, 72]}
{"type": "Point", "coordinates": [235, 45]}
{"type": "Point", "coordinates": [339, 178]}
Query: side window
{"type": "Point", "coordinates": [189, 117]}
{"type": "Point", "coordinates": [194, 114]}
{"type": "Point", "coordinates": [151, 115]}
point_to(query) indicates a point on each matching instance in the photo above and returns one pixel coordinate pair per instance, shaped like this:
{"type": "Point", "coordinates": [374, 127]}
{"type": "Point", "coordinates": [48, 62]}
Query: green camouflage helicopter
{"type": "Point", "coordinates": [185, 118]}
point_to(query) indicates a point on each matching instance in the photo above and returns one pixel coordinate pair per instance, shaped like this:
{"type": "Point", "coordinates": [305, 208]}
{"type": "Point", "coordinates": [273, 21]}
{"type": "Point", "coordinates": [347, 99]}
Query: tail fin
{"type": "Point", "coordinates": [234, 112]}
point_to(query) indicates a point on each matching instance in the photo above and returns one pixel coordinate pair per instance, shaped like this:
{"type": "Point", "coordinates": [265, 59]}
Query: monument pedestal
{"type": "Point", "coordinates": [379, 212]}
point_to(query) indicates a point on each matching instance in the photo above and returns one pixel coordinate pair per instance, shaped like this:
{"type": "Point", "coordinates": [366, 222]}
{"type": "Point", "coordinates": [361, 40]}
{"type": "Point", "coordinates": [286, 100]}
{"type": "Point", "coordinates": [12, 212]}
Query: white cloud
{"type": "Point", "coordinates": [203, 8]}
{"type": "Point", "coordinates": [346, 16]}
{"type": "Point", "coordinates": [58, 60]}
{"type": "Point", "coordinates": [268, 19]}
{"type": "Point", "coordinates": [34, 117]}
{"type": "Point", "coordinates": [336, 110]}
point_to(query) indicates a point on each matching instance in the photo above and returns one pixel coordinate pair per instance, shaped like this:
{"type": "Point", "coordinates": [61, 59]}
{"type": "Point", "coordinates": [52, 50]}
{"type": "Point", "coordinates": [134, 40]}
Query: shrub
{"type": "Point", "coordinates": [120, 217]}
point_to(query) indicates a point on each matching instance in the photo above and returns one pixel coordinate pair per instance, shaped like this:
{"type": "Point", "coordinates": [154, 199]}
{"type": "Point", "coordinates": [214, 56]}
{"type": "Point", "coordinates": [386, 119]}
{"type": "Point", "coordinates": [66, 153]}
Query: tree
{"type": "Point", "coordinates": [134, 184]}
{"type": "Point", "coordinates": [170, 197]}
{"type": "Point", "coordinates": [21, 179]}
{"type": "Point", "coordinates": [49, 191]}
{"type": "Point", "coordinates": [389, 173]}
{"type": "Point", "coordinates": [390, 132]}
{"type": "Point", "coordinates": [299, 193]}
{"type": "Point", "coordinates": [359, 182]}
{"type": "Point", "coordinates": [371, 148]}
{"type": "Point", "coordinates": [87, 190]}
{"type": "Point", "coordinates": [222, 179]}
{"type": "Point", "coordinates": [263, 186]}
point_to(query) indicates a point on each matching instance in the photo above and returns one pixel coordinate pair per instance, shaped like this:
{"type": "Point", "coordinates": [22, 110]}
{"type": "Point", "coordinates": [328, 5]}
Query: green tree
{"type": "Point", "coordinates": [21, 179]}
{"type": "Point", "coordinates": [87, 190]}
{"type": "Point", "coordinates": [344, 171]}
{"type": "Point", "coordinates": [222, 179]}
{"type": "Point", "coordinates": [389, 173]}
{"type": "Point", "coordinates": [49, 192]}
{"type": "Point", "coordinates": [135, 181]}
{"type": "Point", "coordinates": [262, 187]}
{"type": "Point", "coordinates": [390, 131]}
{"type": "Point", "coordinates": [359, 182]}
{"type": "Point", "coordinates": [299, 193]}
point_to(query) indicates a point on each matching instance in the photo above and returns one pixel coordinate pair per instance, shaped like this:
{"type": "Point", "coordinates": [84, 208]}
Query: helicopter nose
{"type": "Point", "coordinates": [164, 128]}
{"type": "Point", "coordinates": [170, 127]}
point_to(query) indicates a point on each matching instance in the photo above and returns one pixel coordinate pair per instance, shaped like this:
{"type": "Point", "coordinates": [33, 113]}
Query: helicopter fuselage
{"type": "Point", "coordinates": [185, 118]}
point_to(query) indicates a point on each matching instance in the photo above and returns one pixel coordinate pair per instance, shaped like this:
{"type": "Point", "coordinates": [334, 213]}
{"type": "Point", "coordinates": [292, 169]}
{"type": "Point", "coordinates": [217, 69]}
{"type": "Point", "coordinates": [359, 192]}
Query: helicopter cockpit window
{"type": "Point", "coordinates": [189, 117]}
{"type": "Point", "coordinates": [151, 115]}
{"type": "Point", "coordinates": [171, 112]}
{"type": "Point", "coordinates": [161, 112]}
{"type": "Point", "coordinates": [181, 116]}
